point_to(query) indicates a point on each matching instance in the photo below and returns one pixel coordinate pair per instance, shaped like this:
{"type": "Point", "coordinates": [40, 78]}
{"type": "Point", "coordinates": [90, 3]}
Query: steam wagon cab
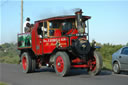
{"type": "Point", "coordinates": [61, 42]}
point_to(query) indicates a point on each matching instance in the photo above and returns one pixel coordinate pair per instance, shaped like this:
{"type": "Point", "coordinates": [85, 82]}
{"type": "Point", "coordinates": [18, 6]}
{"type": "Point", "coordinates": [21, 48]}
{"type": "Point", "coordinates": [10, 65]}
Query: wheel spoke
{"type": "Point", "coordinates": [92, 64]}
{"type": "Point", "coordinates": [59, 64]}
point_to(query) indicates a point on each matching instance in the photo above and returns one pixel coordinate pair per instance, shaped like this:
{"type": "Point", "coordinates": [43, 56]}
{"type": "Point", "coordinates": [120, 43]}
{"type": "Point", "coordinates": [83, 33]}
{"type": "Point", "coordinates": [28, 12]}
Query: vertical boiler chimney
{"type": "Point", "coordinates": [79, 21]}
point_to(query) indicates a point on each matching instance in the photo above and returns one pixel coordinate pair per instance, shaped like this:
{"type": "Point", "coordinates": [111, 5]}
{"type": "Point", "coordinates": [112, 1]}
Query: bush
{"type": "Point", "coordinates": [1, 83]}
{"type": "Point", "coordinates": [10, 60]}
{"type": "Point", "coordinates": [106, 51]}
{"type": "Point", "coordinates": [9, 53]}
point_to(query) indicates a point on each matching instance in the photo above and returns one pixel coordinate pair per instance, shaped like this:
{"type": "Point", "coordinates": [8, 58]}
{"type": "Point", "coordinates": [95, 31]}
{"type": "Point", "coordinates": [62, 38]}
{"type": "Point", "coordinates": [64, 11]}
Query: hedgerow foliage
{"type": "Point", "coordinates": [9, 53]}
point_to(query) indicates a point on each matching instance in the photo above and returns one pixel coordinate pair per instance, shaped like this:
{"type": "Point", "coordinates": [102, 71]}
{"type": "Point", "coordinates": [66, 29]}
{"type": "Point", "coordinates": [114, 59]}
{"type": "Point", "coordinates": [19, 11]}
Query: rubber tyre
{"type": "Point", "coordinates": [30, 64]}
{"type": "Point", "coordinates": [32, 56]}
{"type": "Point", "coordinates": [116, 68]}
{"type": "Point", "coordinates": [99, 63]}
{"type": "Point", "coordinates": [33, 65]}
{"type": "Point", "coordinates": [66, 63]}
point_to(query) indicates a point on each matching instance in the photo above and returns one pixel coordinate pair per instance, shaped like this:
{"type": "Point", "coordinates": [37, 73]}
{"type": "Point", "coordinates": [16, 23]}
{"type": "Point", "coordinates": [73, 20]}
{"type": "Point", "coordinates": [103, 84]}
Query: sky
{"type": "Point", "coordinates": [108, 23]}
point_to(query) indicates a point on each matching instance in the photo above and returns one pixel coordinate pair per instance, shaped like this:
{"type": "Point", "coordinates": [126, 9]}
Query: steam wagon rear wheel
{"type": "Point", "coordinates": [62, 63]}
{"type": "Point", "coordinates": [28, 64]}
{"type": "Point", "coordinates": [95, 64]}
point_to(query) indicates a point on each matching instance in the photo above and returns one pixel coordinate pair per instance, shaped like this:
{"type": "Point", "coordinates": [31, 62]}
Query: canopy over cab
{"type": "Point", "coordinates": [61, 25]}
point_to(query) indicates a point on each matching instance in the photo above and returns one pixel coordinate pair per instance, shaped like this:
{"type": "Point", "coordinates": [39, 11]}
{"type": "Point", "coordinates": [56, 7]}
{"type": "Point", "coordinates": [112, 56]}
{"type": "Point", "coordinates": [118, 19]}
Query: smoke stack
{"type": "Point", "coordinates": [79, 21]}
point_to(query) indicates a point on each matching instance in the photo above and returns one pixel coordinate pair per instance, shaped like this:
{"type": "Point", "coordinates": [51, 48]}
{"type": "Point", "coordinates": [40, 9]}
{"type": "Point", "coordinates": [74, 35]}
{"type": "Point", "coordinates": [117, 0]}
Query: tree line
{"type": "Point", "coordinates": [9, 53]}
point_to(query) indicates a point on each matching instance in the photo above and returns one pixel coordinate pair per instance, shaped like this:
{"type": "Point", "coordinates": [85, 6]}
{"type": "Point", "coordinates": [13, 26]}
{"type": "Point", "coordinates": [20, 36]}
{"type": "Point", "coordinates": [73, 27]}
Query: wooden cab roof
{"type": "Point", "coordinates": [63, 18]}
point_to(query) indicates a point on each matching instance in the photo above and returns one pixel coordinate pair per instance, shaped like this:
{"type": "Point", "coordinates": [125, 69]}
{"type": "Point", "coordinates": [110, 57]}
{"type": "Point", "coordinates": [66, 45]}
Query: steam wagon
{"type": "Point", "coordinates": [60, 42]}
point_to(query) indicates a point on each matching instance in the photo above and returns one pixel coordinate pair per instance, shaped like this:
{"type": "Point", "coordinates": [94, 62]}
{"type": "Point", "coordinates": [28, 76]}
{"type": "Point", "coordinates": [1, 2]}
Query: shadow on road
{"type": "Point", "coordinates": [124, 73]}
{"type": "Point", "coordinates": [105, 72]}
{"type": "Point", "coordinates": [74, 72]}
{"type": "Point", "coordinates": [44, 70]}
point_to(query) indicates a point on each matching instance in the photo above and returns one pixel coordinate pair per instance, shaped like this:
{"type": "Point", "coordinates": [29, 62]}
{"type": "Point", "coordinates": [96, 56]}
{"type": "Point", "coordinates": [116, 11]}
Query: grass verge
{"type": "Point", "coordinates": [107, 65]}
{"type": "Point", "coordinates": [10, 60]}
{"type": "Point", "coordinates": [2, 83]}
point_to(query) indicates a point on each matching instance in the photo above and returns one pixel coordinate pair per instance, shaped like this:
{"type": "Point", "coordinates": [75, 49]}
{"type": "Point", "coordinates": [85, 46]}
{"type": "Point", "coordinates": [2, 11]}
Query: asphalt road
{"type": "Point", "coordinates": [13, 75]}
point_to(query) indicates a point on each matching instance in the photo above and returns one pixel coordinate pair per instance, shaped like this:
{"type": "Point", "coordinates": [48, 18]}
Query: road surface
{"type": "Point", "coordinates": [13, 75]}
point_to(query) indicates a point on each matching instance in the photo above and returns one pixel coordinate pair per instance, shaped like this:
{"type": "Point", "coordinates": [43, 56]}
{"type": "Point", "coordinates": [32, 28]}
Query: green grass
{"type": "Point", "coordinates": [107, 65]}
{"type": "Point", "coordinates": [1, 83]}
{"type": "Point", "coordinates": [10, 60]}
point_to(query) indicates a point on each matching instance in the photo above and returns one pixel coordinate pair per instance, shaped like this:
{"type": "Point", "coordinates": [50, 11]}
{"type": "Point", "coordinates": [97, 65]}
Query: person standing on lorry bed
{"type": "Point", "coordinates": [27, 26]}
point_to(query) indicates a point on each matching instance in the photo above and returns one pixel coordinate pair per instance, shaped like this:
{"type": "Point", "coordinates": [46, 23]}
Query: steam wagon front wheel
{"type": "Point", "coordinates": [28, 63]}
{"type": "Point", "coordinates": [62, 63]}
{"type": "Point", "coordinates": [95, 64]}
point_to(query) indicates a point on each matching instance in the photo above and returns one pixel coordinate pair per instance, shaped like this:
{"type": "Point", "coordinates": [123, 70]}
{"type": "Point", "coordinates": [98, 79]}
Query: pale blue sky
{"type": "Point", "coordinates": [109, 22]}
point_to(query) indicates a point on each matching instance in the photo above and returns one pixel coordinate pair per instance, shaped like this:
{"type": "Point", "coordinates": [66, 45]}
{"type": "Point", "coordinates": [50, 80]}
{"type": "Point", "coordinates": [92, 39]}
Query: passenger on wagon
{"type": "Point", "coordinates": [27, 25]}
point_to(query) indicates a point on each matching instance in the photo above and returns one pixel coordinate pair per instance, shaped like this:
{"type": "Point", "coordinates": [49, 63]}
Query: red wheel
{"type": "Point", "coordinates": [24, 62]}
{"type": "Point", "coordinates": [28, 64]}
{"type": "Point", "coordinates": [61, 63]}
{"type": "Point", "coordinates": [95, 64]}
{"type": "Point", "coordinates": [92, 64]}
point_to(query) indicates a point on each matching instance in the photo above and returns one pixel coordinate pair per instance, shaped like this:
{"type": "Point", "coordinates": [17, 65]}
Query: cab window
{"type": "Point", "coordinates": [66, 26]}
{"type": "Point", "coordinates": [39, 30]}
{"type": "Point", "coordinates": [53, 26]}
{"type": "Point", "coordinates": [44, 28]}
